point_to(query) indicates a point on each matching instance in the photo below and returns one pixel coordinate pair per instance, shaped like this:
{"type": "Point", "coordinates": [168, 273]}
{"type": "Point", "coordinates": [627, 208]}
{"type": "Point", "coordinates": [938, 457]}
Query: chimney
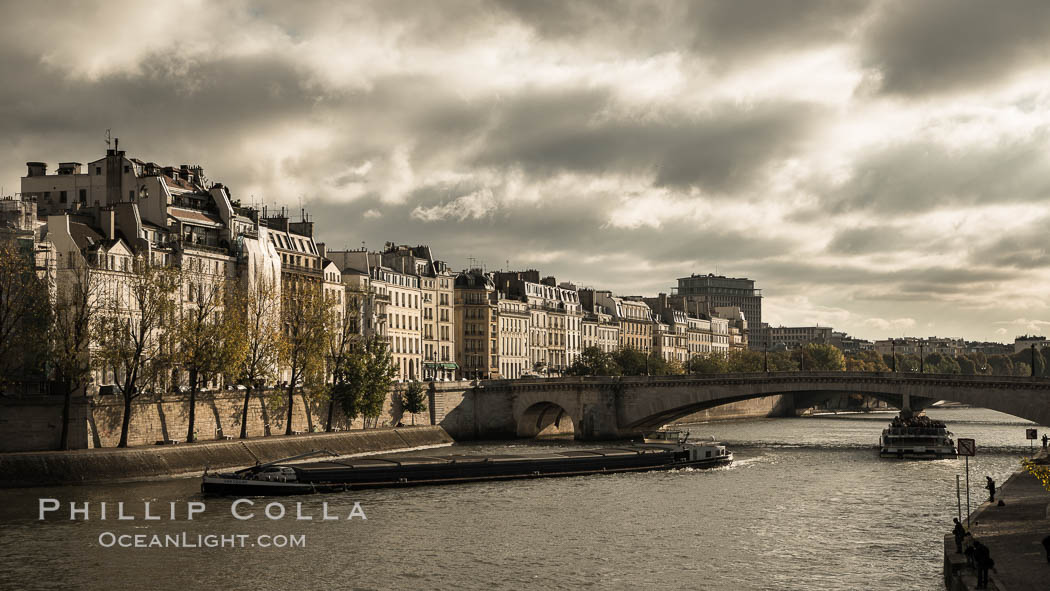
{"type": "Point", "coordinates": [108, 221]}
{"type": "Point", "coordinates": [36, 168]}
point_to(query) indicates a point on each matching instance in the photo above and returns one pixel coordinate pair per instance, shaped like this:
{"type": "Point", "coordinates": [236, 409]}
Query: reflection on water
{"type": "Point", "coordinates": [807, 505]}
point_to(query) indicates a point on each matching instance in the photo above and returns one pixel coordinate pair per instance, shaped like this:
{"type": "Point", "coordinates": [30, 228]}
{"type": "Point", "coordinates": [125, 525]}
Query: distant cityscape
{"type": "Point", "coordinates": [440, 323]}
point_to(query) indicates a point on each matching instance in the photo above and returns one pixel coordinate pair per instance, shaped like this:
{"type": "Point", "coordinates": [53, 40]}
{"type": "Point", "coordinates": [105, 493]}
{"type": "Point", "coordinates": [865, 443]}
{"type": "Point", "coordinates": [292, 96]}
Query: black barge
{"type": "Point", "coordinates": [663, 450]}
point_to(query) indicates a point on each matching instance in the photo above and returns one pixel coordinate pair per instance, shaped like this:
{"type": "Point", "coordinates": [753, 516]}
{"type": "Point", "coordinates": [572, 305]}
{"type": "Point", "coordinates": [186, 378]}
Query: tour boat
{"type": "Point", "coordinates": [916, 437]}
{"type": "Point", "coordinates": [661, 450]}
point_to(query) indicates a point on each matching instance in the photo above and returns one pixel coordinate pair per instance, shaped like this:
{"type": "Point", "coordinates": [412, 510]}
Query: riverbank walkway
{"type": "Point", "coordinates": [1013, 533]}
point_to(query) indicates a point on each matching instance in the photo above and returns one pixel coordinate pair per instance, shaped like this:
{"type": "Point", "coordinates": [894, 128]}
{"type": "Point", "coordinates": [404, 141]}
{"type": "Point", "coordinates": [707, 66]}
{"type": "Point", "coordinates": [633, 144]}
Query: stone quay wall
{"type": "Point", "coordinates": [35, 423]}
{"type": "Point", "coordinates": [109, 465]}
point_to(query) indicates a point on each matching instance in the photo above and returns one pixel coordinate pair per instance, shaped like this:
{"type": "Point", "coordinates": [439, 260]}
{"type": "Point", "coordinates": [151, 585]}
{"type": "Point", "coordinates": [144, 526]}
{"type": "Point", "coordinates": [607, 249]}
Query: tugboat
{"type": "Point", "coordinates": [916, 437]}
{"type": "Point", "coordinates": [660, 450]}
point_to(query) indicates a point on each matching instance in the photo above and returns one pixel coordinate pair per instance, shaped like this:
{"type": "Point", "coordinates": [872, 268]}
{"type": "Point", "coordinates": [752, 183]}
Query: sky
{"type": "Point", "coordinates": [878, 167]}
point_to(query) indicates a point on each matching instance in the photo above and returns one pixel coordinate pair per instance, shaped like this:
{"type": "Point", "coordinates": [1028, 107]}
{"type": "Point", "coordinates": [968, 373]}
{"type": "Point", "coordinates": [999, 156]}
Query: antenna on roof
{"type": "Point", "coordinates": [108, 138]}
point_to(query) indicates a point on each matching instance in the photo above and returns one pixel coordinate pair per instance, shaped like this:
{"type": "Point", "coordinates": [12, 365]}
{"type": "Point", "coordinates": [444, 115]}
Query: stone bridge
{"type": "Point", "coordinates": [613, 408]}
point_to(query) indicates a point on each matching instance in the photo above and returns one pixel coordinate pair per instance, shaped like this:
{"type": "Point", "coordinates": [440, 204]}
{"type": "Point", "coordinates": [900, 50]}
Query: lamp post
{"type": "Point", "coordinates": [802, 359]}
{"type": "Point", "coordinates": [1033, 360]}
{"type": "Point", "coordinates": [765, 358]}
{"type": "Point", "coordinates": [893, 354]}
{"type": "Point", "coordinates": [922, 364]}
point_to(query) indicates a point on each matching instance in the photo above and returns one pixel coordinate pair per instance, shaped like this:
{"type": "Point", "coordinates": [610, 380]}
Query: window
{"type": "Point", "coordinates": [131, 195]}
{"type": "Point", "coordinates": [83, 195]}
{"type": "Point", "coordinates": [98, 170]}
{"type": "Point", "coordinates": [61, 196]}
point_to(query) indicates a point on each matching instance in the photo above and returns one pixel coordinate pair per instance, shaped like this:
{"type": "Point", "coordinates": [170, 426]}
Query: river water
{"type": "Point", "coordinates": [807, 505]}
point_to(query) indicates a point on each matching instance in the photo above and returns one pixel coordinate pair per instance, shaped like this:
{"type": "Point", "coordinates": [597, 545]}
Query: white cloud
{"type": "Point", "coordinates": [476, 205]}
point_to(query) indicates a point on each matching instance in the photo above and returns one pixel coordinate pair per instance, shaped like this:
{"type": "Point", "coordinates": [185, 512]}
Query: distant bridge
{"type": "Point", "coordinates": [613, 407]}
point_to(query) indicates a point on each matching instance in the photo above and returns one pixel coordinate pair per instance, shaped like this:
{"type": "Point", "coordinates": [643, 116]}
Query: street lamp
{"type": "Point", "coordinates": [1033, 360]}
{"type": "Point", "coordinates": [765, 358]}
{"type": "Point", "coordinates": [922, 358]}
{"type": "Point", "coordinates": [893, 354]}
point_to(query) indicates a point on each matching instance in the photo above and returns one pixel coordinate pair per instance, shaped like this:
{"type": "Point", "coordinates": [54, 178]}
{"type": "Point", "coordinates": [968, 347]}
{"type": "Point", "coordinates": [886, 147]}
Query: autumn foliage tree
{"type": "Point", "coordinates": [304, 309]}
{"type": "Point", "coordinates": [132, 330]}
{"type": "Point", "coordinates": [255, 308]}
{"type": "Point", "coordinates": [209, 342]}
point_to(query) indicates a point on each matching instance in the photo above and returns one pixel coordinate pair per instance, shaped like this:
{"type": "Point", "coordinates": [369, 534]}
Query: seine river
{"type": "Point", "coordinates": [807, 505]}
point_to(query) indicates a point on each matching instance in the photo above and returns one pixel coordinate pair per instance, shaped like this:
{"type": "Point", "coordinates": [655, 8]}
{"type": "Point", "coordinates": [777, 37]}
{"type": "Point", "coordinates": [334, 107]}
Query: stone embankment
{"type": "Point", "coordinates": [1013, 533]}
{"type": "Point", "coordinates": [139, 463]}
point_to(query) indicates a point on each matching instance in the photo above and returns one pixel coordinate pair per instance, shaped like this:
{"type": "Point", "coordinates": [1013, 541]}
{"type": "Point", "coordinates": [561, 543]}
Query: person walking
{"type": "Point", "coordinates": [959, 531]}
{"type": "Point", "coordinates": [991, 489]}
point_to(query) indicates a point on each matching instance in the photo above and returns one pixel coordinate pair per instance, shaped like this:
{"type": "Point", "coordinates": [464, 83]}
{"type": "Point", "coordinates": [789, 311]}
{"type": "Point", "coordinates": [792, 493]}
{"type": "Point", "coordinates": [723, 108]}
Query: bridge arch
{"type": "Point", "coordinates": [1021, 397]}
{"type": "Point", "coordinates": [545, 419]}
{"type": "Point", "coordinates": [609, 407]}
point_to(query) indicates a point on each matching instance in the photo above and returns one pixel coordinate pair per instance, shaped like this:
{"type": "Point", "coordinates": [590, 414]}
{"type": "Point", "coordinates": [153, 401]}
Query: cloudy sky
{"type": "Point", "coordinates": [882, 168]}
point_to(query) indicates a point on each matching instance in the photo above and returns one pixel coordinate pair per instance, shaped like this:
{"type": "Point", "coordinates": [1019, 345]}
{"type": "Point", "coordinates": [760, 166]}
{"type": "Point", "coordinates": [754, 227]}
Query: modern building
{"type": "Point", "coordinates": [795, 337]}
{"type": "Point", "coordinates": [711, 291]}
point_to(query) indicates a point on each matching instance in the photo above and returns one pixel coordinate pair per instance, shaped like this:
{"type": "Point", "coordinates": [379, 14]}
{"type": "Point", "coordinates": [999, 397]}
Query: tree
{"type": "Point", "coordinates": [783, 361]}
{"type": "Point", "coordinates": [708, 363]}
{"type": "Point", "coordinates": [820, 357]}
{"type": "Point", "coordinates": [304, 309]}
{"type": "Point", "coordinates": [1000, 365]}
{"type": "Point", "coordinates": [256, 309]}
{"type": "Point", "coordinates": [594, 362]}
{"type": "Point", "coordinates": [76, 304]}
{"type": "Point", "coordinates": [1026, 356]}
{"type": "Point", "coordinates": [349, 384]}
{"type": "Point", "coordinates": [413, 400]}
{"type": "Point", "coordinates": [24, 313]}
{"type": "Point", "coordinates": [744, 361]}
{"type": "Point", "coordinates": [967, 366]}
{"type": "Point", "coordinates": [656, 366]}
{"type": "Point", "coordinates": [342, 340]}
{"type": "Point", "coordinates": [632, 362]}
{"type": "Point", "coordinates": [938, 362]}
{"type": "Point", "coordinates": [132, 341]}
{"type": "Point", "coordinates": [868, 360]}
{"type": "Point", "coordinates": [380, 372]}
{"type": "Point", "coordinates": [208, 338]}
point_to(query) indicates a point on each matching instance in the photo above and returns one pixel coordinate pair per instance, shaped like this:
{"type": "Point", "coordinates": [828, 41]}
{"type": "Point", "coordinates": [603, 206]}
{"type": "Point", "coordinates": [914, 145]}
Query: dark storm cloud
{"type": "Point", "coordinates": [955, 45]}
{"type": "Point", "coordinates": [524, 131]}
{"type": "Point", "coordinates": [935, 278]}
{"type": "Point", "coordinates": [759, 27]}
{"type": "Point", "coordinates": [922, 175]}
{"type": "Point", "coordinates": [720, 150]}
{"type": "Point", "coordinates": [1024, 249]}
{"type": "Point", "coordinates": [712, 30]}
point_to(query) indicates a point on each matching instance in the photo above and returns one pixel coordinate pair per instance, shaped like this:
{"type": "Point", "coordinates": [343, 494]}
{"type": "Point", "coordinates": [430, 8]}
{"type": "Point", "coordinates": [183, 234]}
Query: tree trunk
{"type": "Point", "coordinates": [126, 422]}
{"type": "Point", "coordinates": [193, 407]}
{"type": "Point", "coordinates": [244, 412]}
{"type": "Point", "coordinates": [291, 407]}
{"type": "Point", "coordinates": [331, 408]}
{"type": "Point", "coordinates": [63, 442]}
